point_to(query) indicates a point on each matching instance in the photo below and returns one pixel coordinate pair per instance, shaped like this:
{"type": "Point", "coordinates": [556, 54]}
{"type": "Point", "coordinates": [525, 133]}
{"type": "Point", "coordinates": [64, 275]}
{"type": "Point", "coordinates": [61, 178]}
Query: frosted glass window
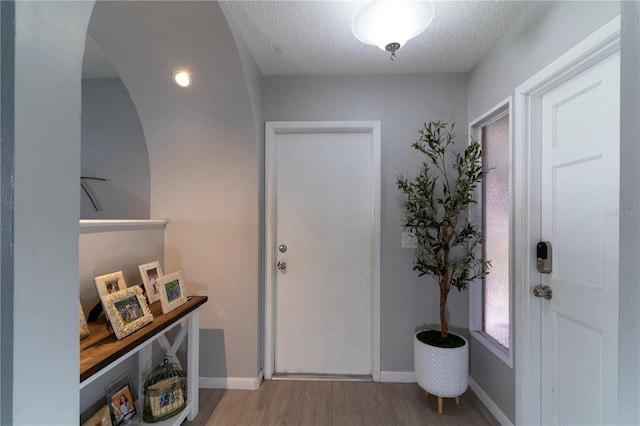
{"type": "Point", "coordinates": [495, 217]}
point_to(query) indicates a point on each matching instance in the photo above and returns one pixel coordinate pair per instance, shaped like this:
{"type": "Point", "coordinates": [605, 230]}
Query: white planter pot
{"type": "Point", "coordinates": [441, 371]}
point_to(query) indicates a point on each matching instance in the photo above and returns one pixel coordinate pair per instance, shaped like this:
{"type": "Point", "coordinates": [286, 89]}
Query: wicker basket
{"type": "Point", "coordinates": [165, 392]}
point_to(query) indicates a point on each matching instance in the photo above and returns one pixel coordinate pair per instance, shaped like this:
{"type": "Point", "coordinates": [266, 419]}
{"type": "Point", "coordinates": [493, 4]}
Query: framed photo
{"type": "Point", "coordinates": [109, 284]}
{"type": "Point", "coordinates": [120, 400]}
{"type": "Point", "coordinates": [101, 418]}
{"type": "Point", "coordinates": [172, 292]}
{"type": "Point", "coordinates": [150, 273]}
{"type": "Point", "coordinates": [127, 311]}
{"type": "Point", "coordinates": [84, 328]}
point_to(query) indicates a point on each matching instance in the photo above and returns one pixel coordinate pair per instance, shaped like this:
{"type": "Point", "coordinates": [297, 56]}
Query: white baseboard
{"type": "Point", "coordinates": [397, 376]}
{"type": "Point", "coordinates": [488, 402]}
{"type": "Point", "coordinates": [245, 383]}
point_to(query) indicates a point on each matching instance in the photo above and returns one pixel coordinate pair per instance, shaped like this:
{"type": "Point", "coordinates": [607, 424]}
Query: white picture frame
{"type": "Point", "coordinates": [150, 272]}
{"type": "Point", "coordinates": [109, 283]}
{"type": "Point", "coordinates": [84, 328]}
{"type": "Point", "coordinates": [127, 311]}
{"type": "Point", "coordinates": [172, 291]}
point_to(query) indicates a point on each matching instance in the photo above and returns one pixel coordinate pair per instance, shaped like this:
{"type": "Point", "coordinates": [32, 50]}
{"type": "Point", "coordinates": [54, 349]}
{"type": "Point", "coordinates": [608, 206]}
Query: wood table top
{"type": "Point", "coordinates": [102, 348]}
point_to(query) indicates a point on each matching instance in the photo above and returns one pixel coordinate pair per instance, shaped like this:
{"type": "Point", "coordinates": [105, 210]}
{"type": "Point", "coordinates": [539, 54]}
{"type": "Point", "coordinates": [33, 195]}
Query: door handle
{"type": "Point", "coordinates": [541, 291]}
{"type": "Point", "coordinates": [282, 265]}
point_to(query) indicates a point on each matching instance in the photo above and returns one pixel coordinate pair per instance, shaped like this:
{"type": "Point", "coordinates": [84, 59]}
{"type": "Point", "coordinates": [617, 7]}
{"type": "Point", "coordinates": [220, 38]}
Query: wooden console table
{"type": "Point", "coordinates": [100, 352]}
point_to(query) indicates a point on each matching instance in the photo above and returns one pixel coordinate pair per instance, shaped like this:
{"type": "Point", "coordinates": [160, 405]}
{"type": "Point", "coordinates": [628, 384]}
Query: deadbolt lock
{"type": "Point", "coordinates": [544, 257]}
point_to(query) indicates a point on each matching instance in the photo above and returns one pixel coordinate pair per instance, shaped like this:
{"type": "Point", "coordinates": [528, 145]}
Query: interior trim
{"type": "Point", "coordinates": [600, 44]}
{"type": "Point", "coordinates": [488, 402]}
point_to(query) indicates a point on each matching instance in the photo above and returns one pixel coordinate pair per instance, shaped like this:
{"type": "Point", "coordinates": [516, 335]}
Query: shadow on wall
{"type": "Point", "coordinates": [113, 145]}
{"type": "Point", "coordinates": [213, 362]}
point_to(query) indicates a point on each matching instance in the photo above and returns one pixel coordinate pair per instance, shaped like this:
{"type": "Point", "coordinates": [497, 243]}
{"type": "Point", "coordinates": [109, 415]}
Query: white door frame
{"type": "Point", "coordinates": [272, 129]}
{"type": "Point", "coordinates": [585, 54]}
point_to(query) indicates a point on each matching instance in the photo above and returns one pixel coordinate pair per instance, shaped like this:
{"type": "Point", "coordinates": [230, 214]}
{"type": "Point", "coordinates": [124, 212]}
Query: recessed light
{"type": "Point", "coordinates": [182, 78]}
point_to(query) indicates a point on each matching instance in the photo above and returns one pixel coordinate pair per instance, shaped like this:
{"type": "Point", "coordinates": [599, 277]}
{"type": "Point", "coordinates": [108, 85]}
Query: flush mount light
{"type": "Point", "coordinates": [182, 78]}
{"type": "Point", "coordinates": [389, 24]}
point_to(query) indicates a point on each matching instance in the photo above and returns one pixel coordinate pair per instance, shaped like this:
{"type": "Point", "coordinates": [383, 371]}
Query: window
{"type": "Point", "coordinates": [490, 300]}
{"type": "Point", "coordinates": [496, 204]}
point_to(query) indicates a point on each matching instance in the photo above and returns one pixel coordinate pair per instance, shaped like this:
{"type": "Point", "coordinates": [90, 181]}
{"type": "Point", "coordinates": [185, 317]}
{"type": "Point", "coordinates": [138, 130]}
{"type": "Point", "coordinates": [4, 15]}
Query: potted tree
{"type": "Point", "coordinates": [448, 248]}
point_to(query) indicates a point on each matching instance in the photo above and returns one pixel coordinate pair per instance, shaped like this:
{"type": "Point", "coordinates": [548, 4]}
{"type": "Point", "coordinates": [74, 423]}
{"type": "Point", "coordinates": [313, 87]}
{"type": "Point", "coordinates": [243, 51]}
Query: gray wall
{"type": "Point", "coordinates": [253, 77]}
{"type": "Point", "coordinates": [113, 148]}
{"type": "Point", "coordinates": [629, 350]}
{"type": "Point", "coordinates": [543, 32]}
{"type": "Point", "coordinates": [120, 248]}
{"type": "Point", "coordinates": [48, 47]}
{"type": "Point", "coordinates": [402, 103]}
{"type": "Point", "coordinates": [7, 44]}
{"type": "Point", "coordinates": [203, 159]}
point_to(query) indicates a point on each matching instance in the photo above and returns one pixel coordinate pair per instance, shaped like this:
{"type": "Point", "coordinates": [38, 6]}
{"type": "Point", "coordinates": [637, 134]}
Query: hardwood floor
{"type": "Point", "coordinates": [320, 403]}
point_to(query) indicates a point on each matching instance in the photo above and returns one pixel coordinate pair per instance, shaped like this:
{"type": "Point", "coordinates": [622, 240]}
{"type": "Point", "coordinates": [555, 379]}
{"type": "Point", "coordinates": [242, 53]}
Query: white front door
{"type": "Point", "coordinates": [580, 217]}
{"type": "Point", "coordinates": [322, 197]}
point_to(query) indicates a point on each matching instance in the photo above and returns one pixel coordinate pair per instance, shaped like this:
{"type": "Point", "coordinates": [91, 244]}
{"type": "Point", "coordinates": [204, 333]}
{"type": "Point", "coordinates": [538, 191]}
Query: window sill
{"type": "Point", "coordinates": [494, 347]}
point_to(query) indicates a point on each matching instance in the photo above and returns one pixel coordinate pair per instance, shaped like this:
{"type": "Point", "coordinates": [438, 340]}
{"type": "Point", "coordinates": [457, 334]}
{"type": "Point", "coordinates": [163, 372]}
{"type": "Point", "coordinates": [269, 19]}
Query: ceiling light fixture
{"type": "Point", "coordinates": [182, 79]}
{"type": "Point", "coordinates": [389, 24]}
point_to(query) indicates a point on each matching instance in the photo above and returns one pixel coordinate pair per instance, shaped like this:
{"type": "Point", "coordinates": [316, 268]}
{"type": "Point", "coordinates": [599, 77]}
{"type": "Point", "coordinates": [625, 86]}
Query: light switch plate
{"type": "Point", "coordinates": [408, 240]}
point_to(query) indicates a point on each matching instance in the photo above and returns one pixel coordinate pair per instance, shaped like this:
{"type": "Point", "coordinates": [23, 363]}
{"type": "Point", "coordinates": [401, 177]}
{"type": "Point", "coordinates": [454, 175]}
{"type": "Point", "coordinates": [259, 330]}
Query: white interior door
{"type": "Point", "coordinates": [324, 211]}
{"type": "Point", "coordinates": [580, 216]}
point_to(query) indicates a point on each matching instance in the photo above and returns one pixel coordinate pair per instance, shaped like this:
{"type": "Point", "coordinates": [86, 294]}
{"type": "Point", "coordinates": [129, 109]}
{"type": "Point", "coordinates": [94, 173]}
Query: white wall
{"type": "Point", "coordinates": [203, 159]}
{"type": "Point", "coordinates": [47, 173]}
{"type": "Point", "coordinates": [402, 103]}
{"type": "Point", "coordinates": [543, 32]}
{"type": "Point", "coordinates": [113, 148]}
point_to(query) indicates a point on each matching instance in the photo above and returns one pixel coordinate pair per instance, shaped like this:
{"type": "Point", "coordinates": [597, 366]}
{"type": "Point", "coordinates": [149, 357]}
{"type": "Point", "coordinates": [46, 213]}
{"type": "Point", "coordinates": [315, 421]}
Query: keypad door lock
{"type": "Point", "coordinates": [544, 257]}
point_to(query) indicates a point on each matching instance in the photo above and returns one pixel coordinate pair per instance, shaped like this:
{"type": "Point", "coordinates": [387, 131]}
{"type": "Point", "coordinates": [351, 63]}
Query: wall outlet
{"type": "Point", "coordinates": [408, 240]}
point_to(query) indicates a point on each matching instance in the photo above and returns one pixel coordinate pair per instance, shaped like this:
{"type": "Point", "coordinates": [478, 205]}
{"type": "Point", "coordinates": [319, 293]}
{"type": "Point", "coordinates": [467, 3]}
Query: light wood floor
{"type": "Point", "coordinates": [317, 403]}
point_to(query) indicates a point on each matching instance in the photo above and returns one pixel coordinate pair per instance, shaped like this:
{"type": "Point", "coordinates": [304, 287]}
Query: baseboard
{"type": "Point", "coordinates": [397, 376]}
{"type": "Point", "coordinates": [488, 402]}
{"type": "Point", "coordinates": [248, 383]}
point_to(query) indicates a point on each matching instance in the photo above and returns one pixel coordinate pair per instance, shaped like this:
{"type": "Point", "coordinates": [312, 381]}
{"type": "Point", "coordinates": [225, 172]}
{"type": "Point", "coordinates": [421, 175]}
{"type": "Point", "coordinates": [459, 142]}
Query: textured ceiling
{"type": "Point", "coordinates": [314, 37]}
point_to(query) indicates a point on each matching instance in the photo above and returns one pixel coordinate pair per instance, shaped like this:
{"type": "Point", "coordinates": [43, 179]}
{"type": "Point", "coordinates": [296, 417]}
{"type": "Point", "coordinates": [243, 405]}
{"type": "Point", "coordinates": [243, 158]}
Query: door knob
{"type": "Point", "coordinates": [282, 265]}
{"type": "Point", "coordinates": [541, 291]}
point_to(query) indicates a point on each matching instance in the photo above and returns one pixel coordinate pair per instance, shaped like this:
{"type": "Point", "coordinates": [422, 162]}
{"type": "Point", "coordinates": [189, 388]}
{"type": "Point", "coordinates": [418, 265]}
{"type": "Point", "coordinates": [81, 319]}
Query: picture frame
{"type": "Point", "coordinates": [127, 311]}
{"type": "Point", "coordinates": [172, 291]}
{"type": "Point", "coordinates": [120, 400]}
{"type": "Point", "coordinates": [109, 283]}
{"type": "Point", "coordinates": [101, 418]}
{"type": "Point", "coordinates": [84, 328]}
{"type": "Point", "coordinates": [150, 272]}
